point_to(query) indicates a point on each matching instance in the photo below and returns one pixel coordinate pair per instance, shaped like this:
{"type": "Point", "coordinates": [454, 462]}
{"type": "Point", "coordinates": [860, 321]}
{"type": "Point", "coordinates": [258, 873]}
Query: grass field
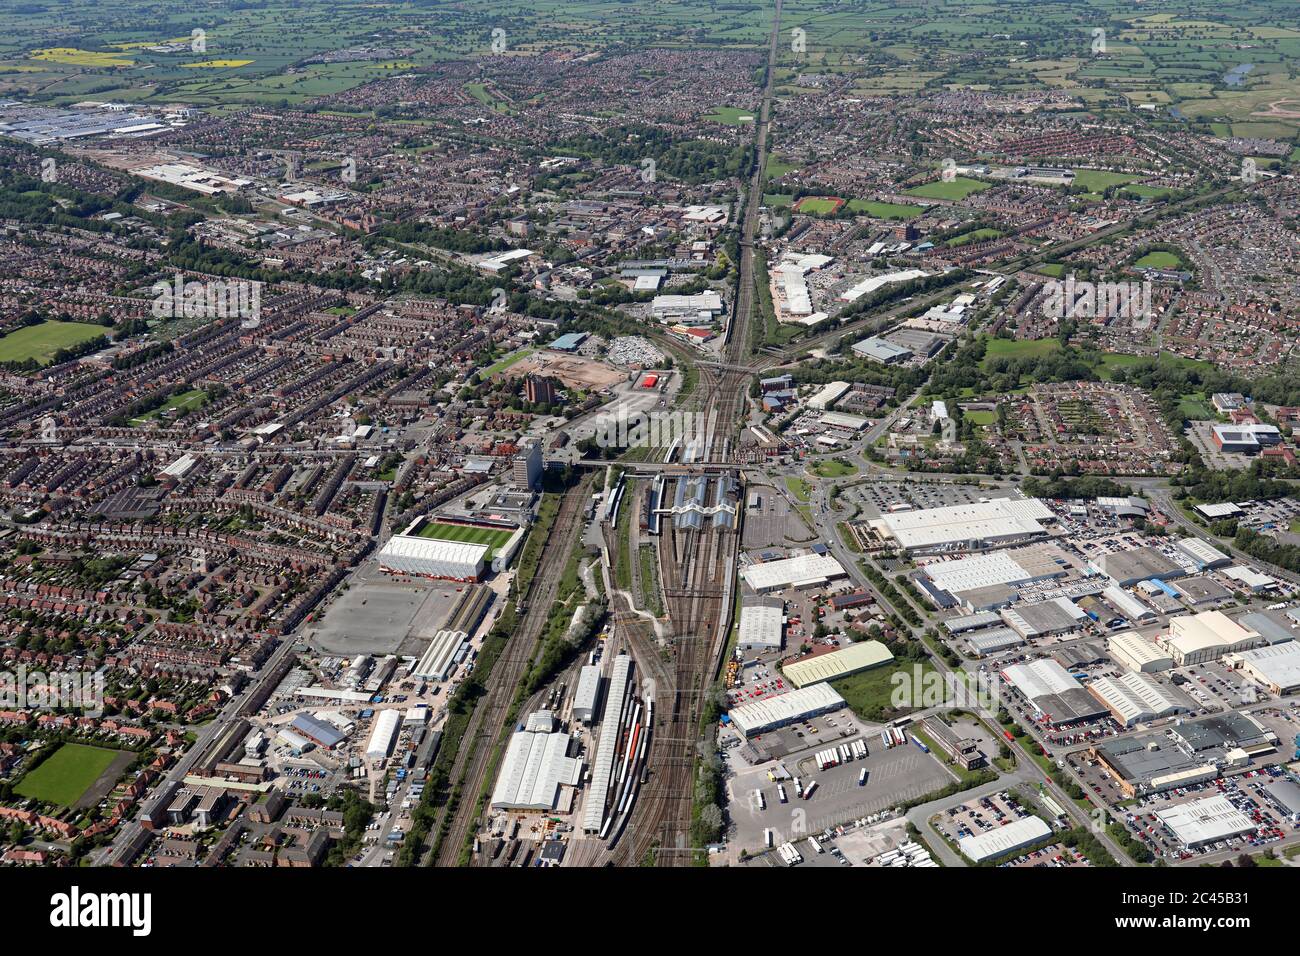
{"type": "Point", "coordinates": [730, 116]}
{"type": "Point", "coordinates": [884, 210]}
{"type": "Point", "coordinates": [508, 361]}
{"type": "Point", "coordinates": [194, 398]}
{"type": "Point", "coordinates": [1097, 180]}
{"type": "Point", "coordinates": [832, 468]}
{"type": "Point", "coordinates": [799, 488]}
{"type": "Point", "coordinates": [40, 342]}
{"type": "Point", "coordinates": [958, 189]}
{"type": "Point", "coordinates": [495, 539]}
{"type": "Point", "coordinates": [1018, 348]}
{"type": "Point", "coordinates": [67, 774]}
{"type": "Point", "coordinates": [1159, 260]}
{"type": "Point", "coordinates": [869, 693]}
{"type": "Point", "coordinates": [818, 205]}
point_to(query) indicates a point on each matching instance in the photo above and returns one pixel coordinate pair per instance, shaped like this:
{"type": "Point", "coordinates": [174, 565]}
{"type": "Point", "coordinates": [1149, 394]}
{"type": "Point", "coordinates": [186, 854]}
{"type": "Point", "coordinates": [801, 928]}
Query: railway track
{"type": "Point", "coordinates": [697, 569]}
{"type": "Point", "coordinates": [488, 721]}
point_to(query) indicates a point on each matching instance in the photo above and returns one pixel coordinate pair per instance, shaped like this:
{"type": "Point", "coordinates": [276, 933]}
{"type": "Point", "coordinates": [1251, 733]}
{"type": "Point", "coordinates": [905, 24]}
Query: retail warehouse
{"type": "Point", "coordinates": [983, 524]}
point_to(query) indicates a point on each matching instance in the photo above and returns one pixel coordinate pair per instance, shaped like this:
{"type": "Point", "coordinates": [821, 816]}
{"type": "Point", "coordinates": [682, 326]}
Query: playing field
{"type": "Point", "coordinates": [494, 538]}
{"type": "Point", "coordinates": [67, 774]}
{"type": "Point", "coordinates": [956, 190]}
{"type": "Point", "coordinates": [40, 342]}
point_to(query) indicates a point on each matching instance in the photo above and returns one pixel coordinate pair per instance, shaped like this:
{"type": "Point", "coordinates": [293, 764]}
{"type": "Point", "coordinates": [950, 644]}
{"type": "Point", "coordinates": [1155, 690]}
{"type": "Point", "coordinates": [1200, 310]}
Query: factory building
{"type": "Point", "coordinates": [1184, 753]}
{"type": "Point", "coordinates": [1205, 556]}
{"type": "Point", "coordinates": [1134, 652]}
{"type": "Point", "coordinates": [993, 640]}
{"type": "Point", "coordinates": [1127, 605]}
{"type": "Point", "coordinates": [439, 660]}
{"type": "Point", "coordinates": [861, 656]}
{"type": "Point", "coordinates": [319, 732]}
{"type": "Point", "coordinates": [1049, 687]}
{"type": "Point", "coordinates": [880, 350]}
{"type": "Point", "coordinates": [1044, 619]}
{"type": "Point", "coordinates": [1003, 840]}
{"type": "Point", "coordinates": [1196, 638]}
{"type": "Point", "coordinates": [536, 765]}
{"type": "Point", "coordinates": [774, 712]}
{"type": "Point", "coordinates": [383, 734]}
{"type": "Point", "coordinates": [1127, 568]}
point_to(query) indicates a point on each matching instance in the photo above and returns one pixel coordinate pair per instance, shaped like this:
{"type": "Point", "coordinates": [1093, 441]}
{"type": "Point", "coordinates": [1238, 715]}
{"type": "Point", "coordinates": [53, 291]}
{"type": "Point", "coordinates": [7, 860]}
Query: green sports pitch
{"type": "Point", "coordinates": [67, 774]}
{"type": "Point", "coordinates": [494, 538]}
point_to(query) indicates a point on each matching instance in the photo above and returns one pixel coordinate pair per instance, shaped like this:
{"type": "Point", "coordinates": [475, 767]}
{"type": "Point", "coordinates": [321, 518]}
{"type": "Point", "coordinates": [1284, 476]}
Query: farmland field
{"type": "Point", "coordinates": [66, 775]}
{"type": "Point", "coordinates": [42, 341]}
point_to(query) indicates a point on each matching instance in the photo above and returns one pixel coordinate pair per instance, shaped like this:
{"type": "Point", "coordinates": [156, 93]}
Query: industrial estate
{"type": "Point", "coordinates": [780, 434]}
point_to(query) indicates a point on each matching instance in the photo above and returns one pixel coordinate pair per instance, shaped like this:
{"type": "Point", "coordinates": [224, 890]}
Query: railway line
{"type": "Point", "coordinates": [488, 720]}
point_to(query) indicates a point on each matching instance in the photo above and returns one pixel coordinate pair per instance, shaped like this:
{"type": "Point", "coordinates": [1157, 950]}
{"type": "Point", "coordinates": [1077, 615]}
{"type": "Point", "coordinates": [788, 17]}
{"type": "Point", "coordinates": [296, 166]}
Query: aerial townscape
{"type": "Point", "coordinates": [776, 434]}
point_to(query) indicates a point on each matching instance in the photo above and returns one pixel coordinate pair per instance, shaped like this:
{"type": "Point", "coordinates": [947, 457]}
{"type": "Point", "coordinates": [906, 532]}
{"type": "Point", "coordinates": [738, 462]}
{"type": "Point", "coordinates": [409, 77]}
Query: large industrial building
{"type": "Point", "coordinates": [383, 734]}
{"type": "Point", "coordinates": [774, 712]}
{"type": "Point", "coordinates": [1136, 653]}
{"type": "Point", "coordinates": [982, 524]}
{"type": "Point", "coordinates": [1135, 697]}
{"type": "Point", "coordinates": [1196, 638]}
{"type": "Point", "coordinates": [1050, 688]}
{"type": "Point", "coordinates": [586, 698]}
{"type": "Point", "coordinates": [1207, 820]}
{"type": "Point", "coordinates": [536, 765]}
{"type": "Point", "coordinates": [1183, 754]}
{"type": "Point", "coordinates": [848, 660]}
{"type": "Point", "coordinates": [805, 570]}
{"type": "Point", "coordinates": [1205, 556]}
{"type": "Point", "coordinates": [1139, 564]}
{"type": "Point", "coordinates": [1275, 666]}
{"type": "Point", "coordinates": [1002, 840]}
